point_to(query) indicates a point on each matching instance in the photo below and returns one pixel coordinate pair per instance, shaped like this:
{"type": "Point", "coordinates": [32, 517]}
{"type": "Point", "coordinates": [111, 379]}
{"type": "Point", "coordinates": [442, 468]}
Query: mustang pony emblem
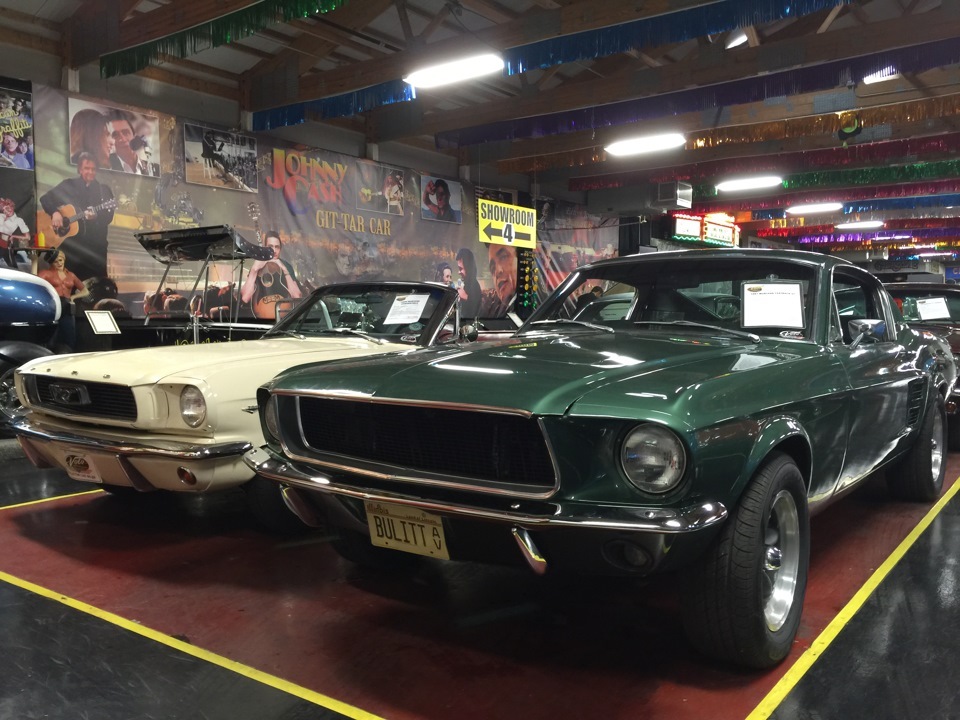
{"type": "Point", "coordinates": [69, 394]}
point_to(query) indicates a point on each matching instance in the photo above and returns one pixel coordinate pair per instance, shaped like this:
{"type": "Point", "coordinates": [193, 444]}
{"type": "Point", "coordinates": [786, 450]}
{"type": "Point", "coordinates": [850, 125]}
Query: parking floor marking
{"type": "Point", "coordinates": [199, 653]}
{"type": "Point", "coordinates": [780, 691]}
{"type": "Point", "coordinates": [50, 499]}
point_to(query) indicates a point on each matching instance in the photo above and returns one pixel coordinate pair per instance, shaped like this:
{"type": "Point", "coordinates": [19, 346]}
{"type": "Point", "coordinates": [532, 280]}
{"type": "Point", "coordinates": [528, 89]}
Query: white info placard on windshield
{"type": "Point", "coordinates": [406, 309]}
{"type": "Point", "coordinates": [778, 304]}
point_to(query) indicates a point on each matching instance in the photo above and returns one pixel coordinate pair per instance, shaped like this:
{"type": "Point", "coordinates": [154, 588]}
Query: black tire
{"type": "Point", "coordinates": [356, 547]}
{"type": "Point", "coordinates": [918, 477]}
{"type": "Point", "coordinates": [742, 601]}
{"type": "Point", "coordinates": [266, 504]}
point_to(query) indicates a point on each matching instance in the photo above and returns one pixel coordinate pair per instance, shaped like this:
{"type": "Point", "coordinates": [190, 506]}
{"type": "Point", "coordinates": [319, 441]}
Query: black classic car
{"type": "Point", "coordinates": [690, 421]}
{"type": "Point", "coordinates": [934, 307]}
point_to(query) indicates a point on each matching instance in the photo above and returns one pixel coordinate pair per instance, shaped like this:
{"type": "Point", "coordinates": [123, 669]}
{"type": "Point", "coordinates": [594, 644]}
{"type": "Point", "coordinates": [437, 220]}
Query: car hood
{"type": "Point", "coordinates": [251, 362]}
{"type": "Point", "coordinates": [543, 374]}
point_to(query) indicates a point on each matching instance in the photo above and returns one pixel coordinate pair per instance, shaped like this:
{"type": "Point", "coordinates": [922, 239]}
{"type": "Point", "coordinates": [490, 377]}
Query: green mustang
{"type": "Point", "coordinates": [678, 411]}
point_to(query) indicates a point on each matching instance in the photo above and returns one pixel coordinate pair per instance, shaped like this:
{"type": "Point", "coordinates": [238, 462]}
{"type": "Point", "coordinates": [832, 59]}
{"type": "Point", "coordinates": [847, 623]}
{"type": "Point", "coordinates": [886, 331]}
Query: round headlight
{"type": "Point", "coordinates": [193, 408]}
{"type": "Point", "coordinates": [271, 419]}
{"type": "Point", "coordinates": [653, 458]}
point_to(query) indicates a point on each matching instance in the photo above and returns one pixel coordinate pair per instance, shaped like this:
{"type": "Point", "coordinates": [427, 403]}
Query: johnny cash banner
{"type": "Point", "coordinates": [18, 200]}
{"type": "Point", "coordinates": [328, 217]}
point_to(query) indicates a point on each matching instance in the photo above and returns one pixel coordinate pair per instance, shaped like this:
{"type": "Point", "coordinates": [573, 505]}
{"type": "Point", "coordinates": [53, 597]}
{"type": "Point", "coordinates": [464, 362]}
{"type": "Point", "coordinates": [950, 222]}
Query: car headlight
{"type": "Point", "coordinates": [193, 408]}
{"type": "Point", "coordinates": [653, 458]}
{"type": "Point", "coordinates": [270, 418]}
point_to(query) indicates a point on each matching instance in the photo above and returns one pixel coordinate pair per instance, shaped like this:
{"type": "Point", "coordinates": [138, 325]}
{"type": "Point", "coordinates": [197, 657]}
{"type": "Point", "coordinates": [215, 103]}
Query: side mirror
{"type": "Point", "coordinates": [469, 333]}
{"type": "Point", "coordinates": [861, 330]}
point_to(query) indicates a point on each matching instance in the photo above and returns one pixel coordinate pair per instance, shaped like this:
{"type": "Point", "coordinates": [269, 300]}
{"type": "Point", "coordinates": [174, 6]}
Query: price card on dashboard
{"type": "Point", "coordinates": [772, 304]}
{"type": "Point", "coordinates": [933, 308]}
{"type": "Point", "coordinates": [406, 309]}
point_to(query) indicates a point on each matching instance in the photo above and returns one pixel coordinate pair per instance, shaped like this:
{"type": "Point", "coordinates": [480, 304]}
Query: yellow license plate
{"type": "Point", "coordinates": [408, 529]}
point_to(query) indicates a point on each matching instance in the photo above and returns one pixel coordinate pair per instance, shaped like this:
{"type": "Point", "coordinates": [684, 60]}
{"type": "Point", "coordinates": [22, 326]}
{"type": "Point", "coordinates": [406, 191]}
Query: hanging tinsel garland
{"type": "Point", "coordinates": [226, 29]}
{"type": "Point", "coordinates": [887, 153]}
{"type": "Point", "coordinates": [344, 105]}
{"type": "Point", "coordinates": [889, 226]}
{"type": "Point", "coordinates": [913, 190]}
{"type": "Point", "coordinates": [816, 78]}
{"type": "Point", "coordinates": [674, 27]}
{"type": "Point", "coordinates": [907, 203]}
{"type": "Point", "coordinates": [884, 175]}
{"type": "Point", "coordinates": [882, 236]}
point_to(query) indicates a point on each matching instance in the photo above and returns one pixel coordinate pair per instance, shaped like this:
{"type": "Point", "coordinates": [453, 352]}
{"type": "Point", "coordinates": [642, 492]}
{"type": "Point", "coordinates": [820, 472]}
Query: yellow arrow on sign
{"type": "Point", "coordinates": [504, 224]}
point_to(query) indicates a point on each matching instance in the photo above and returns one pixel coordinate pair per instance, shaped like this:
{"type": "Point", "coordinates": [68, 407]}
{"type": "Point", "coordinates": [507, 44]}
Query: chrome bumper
{"type": "Point", "coordinates": [611, 517]}
{"type": "Point", "coordinates": [177, 450]}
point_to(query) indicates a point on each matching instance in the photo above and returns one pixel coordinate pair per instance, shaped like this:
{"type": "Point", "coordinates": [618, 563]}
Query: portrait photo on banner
{"type": "Point", "coordinates": [16, 129]}
{"type": "Point", "coordinates": [441, 199]}
{"type": "Point", "coordinates": [380, 188]}
{"type": "Point", "coordinates": [118, 138]}
{"type": "Point", "coordinates": [219, 158]}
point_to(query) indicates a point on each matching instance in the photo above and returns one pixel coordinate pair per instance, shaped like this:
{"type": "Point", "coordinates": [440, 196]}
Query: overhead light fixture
{"type": "Point", "coordinates": [751, 183]}
{"type": "Point", "coordinates": [650, 143]}
{"type": "Point", "coordinates": [888, 73]}
{"type": "Point", "coordinates": [456, 71]}
{"type": "Point", "coordinates": [815, 208]}
{"type": "Point", "coordinates": [736, 40]}
{"type": "Point", "coordinates": [859, 225]}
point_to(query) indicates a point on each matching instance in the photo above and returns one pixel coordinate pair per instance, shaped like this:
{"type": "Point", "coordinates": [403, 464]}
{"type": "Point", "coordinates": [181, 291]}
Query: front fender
{"type": "Point", "coordinates": [775, 432]}
{"type": "Point", "coordinates": [14, 353]}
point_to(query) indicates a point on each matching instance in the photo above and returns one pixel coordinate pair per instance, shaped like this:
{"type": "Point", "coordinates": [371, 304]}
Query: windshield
{"type": "Point", "coordinates": [935, 304]}
{"type": "Point", "coordinates": [759, 296]}
{"type": "Point", "coordinates": [397, 313]}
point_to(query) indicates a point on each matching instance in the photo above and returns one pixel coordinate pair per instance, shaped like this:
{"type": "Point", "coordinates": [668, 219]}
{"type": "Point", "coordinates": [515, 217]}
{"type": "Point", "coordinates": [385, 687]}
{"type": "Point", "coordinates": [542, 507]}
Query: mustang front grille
{"type": "Point", "coordinates": [487, 447]}
{"type": "Point", "coordinates": [87, 399]}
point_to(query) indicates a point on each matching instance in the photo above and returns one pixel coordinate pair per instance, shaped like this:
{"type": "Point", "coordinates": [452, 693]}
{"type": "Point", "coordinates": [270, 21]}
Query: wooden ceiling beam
{"type": "Point", "coordinates": [726, 67]}
{"type": "Point", "coordinates": [532, 26]}
{"type": "Point", "coordinates": [190, 83]}
{"type": "Point", "coordinates": [489, 10]}
{"type": "Point", "coordinates": [174, 18]}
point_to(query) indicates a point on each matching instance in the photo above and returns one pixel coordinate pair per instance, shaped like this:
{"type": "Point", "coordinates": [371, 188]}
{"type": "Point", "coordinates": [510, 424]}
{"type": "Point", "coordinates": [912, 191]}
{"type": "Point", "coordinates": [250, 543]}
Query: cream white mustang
{"type": "Point", "coordinates": [180, 418]}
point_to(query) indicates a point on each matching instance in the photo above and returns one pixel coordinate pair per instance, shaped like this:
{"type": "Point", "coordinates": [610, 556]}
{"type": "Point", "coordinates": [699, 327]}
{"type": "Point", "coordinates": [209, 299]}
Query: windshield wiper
{"type": "Point", "coordinates": [285, 333]}
{"type": "Point", "coordinates": [351, 331]}
{"type": "Point", "coordinates": [689, 323]}
{"type": "Point", "coordinates": [584, 323]}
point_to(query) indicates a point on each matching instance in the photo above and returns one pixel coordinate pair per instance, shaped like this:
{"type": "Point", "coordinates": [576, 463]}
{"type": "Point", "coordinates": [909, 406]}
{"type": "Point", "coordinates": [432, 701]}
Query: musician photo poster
{"type": "Point", "coordinates": [118, 138]}
{"type": "Point", "coordinates": [219, 158]}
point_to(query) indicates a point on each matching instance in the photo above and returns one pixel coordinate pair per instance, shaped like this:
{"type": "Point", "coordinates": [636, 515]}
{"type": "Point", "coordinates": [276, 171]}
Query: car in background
{"type": "Point", "coordinates": [934, 307]}
{"type": "Point", "coordinates": [29, 313]}
{"type": "Point", "coordinates": [691, 424]}
{"type": "Point", "coordinates": [179, 418]}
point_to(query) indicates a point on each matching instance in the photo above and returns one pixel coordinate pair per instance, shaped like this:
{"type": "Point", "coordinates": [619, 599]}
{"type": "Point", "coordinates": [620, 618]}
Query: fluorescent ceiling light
{"type": "Point", "coordinates": [815, 208]}
{"type": "Point", "coordinates": [751, 183]}
{"type": "Point", "coordinates": [888, 73]}
{"type": "Point", "coordinates": [859, 225]}
{"type": "Point", "coordinates": [650, 143]}
{"type": "Point", "coordinates": [736, 40]}
{"type": "Point", "coordinates": [456, 71]}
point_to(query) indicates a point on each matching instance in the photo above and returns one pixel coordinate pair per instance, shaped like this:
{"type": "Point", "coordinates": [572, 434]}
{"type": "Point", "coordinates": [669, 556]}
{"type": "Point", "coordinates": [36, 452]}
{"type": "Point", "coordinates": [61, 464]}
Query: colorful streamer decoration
{"type": "Point", "coordinates": [344, 105]}
{"type": "Point", "coordinates": [674, 27]}
{"type": "Point", "coordinates": [226, 29]}
{"type": "Point", "coordinates": [824, 76]}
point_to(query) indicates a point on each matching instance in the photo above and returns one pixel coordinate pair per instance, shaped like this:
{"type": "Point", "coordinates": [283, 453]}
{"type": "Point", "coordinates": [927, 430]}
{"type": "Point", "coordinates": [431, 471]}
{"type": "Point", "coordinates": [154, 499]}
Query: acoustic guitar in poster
{"type": "Point", "coordinates": [71, 217]}
{"type": "Point", "coordinates": [270, 285]}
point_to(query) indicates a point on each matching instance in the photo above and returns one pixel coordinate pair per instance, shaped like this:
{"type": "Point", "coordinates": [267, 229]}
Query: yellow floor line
{"type": "Point", "coordinates": [776, 695]}
{"type": "Point", "coordinates": [50, 499]}
{"type": "Point", "coordinates": [261, 677]}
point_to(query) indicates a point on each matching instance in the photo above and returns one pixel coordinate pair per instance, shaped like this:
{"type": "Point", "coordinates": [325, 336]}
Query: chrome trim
{"type": "Point", "coordinates": [333, 395]}
{"type": "Point", "coordinates": [178, 450]}
{"type": "Point", "coordinates": [531, 554]}
{"type": "Point", "coordinates": [614, 517]}
{"type": "Point", "coordinates": [464, 482]}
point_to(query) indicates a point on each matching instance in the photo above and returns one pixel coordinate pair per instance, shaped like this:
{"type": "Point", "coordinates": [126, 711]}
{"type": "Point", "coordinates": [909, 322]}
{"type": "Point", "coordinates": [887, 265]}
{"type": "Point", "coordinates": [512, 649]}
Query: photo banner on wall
{"type": "Point", "coordinates": [18, 196]}
{"type": "Point", "coordinates": [327, 217]}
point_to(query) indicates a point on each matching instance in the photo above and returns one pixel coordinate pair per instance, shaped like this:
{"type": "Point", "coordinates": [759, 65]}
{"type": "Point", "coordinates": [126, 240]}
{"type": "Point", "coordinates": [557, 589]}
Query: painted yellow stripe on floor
{"type": "Point", "coordinates": [769, 704]}
{"type": "Point", "coordinates": [51, 499]}
{"type": "Point", "coordinates": [261, 677]}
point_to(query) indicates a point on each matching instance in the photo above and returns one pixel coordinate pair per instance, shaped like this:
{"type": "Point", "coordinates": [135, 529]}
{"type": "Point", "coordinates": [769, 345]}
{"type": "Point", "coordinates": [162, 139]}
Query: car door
{"type": "Point", "coordinates": [879, 372]}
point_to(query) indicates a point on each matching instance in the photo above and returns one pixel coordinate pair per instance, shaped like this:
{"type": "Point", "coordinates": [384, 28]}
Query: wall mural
{"type": "Point", "coordinates": [329, 217]}
{"type": "Point", "coordinates": [18, 201]}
